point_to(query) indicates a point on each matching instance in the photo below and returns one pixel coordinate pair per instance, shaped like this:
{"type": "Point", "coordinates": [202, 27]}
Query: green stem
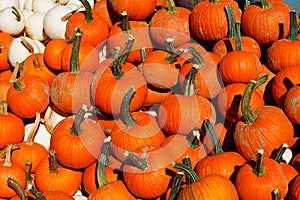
{"type": "Point", "coordinates": [138, 162]}
{"type": "Point", "coordinates": [280, 152]}
{"type": "Point", "coordinates": [126, 50]}
{"type": "Point", "coordinates": [3, 108]}
{"type": "Point", "coordinates": [12, 183]}
{"type": "Point", "coordinates": [176, 185]}
{"type": "Point", "coordinates": [190, 172]}
{"type": "Point", "coordinates": [238, 38]}
{"type": "Point", "coordinates": [171, 7]}
{"type": "Point", "coordinates": [245, 105]}
{"type": "Point", "coordinates": [88, 11]}
{"type": "Point", "coordinates": [173, 56]}
{"type": "Point", "coordinates": [199, 60]}
{"type": "Point", "coordinates": [231, 22]}
{"type": "Point", "coordinates": [265, 4]}
{"type": "Point", "coordinates": [276, 194]}
{"type": "Point", "coordinates": [18, 85]}
{"type": "Point", "coordinates": [189, 87]}
{"type": "Point", "coordinates": [293, 36]}
{"type": "Point", "coordinates": [53, 162]}
{"type": "Point", "coordinates": [143, 53]}
{"type": "Point", "coordinates": [33, 190]}
{"type": "Point", "coordinates": [246, 4]}
{"type": "Point", "coordinates": [196, 138]}
{"type": "Point", "coordinates": [259, 168]}
{"type": "Point", "coordinates": [213, 137]}
{"type": "Point", "coordinates": [214, 1]}
{"type": "Point", "coordinates": [194, 3]}
{"type": "Point", "coordinates": [125, 23]}
{"type": "Point", "coordinates": [28, 166]}
{"type": "Point", "coordinates": [75, 51]}
{"type": "Point", "coordinates": [102, 163]}
{"type": "Point", "coordinates": [79, 118]}
{"type": "Point", "coordinates": [125, 109]}
{"type": "Point", "coordinates": [16, 13]}
{"type": "Point", "coordinates": [187, 161]}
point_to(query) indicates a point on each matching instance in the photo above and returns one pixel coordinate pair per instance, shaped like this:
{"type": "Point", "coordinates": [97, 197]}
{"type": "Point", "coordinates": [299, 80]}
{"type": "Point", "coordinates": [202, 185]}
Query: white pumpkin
{"type": "Point", "coordinates": [9, 3]}
{"type": "Point", "coordinates": [52, 117]}
{"type": "Point", "coordinates": [27, 14]}
{"type": "Point", "coordinates": [63, 2]}
{"type": "Point", "coordinates": [12, 20]}
{"type": "Point", "coordinates": [54, 23]}
{"type": "Point", "coordinates": [21, 47]}
{"type": "Point", "coordinates": [42, 6]}
{"type": "Point", "coordinates": [34, 27]}
{"type": "Point", "coordinates": [79, 196]}
{"type": "Point", "coordinates": [27, 5]}
{"type": "Point", "coordinates": [75, 3]}
{"type": "Point", "coordinates": [22, 4]}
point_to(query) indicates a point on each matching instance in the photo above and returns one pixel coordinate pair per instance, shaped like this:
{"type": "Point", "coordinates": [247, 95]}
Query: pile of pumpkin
{"type": "Point", "coordinates": [149, 99]}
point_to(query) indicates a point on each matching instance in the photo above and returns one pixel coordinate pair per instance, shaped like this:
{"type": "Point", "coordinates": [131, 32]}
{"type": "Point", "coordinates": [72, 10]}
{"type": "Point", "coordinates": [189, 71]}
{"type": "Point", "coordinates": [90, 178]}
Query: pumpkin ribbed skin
{"type": "Point", "coordinates": [269, 131]}
{"type": "Point", "coordinates": [53, 53]}
{"type": "Point", "coordinates": [102, 9]}
{"type": "Point", "coordinates": [208, 19]}
{"type": "Point", "coordinates": [268, 19]}
{"type": "Point", "coordinates": [209, 187]}
{"type": "Point", "coordinates": [5, 40]}
{"type": "Point", "coordinates": [291, 104]}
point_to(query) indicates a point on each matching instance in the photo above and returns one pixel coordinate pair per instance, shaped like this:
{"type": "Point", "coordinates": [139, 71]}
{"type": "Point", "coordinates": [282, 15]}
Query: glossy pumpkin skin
{"type": "Point", "coordinates": [34, 65]}
{"type": "Point", "coordinates": [53, 53]}
{"type": "Point", "coordinates": [34, 97]}
{"type": "Point", "coordinates": [209, 187]}
{"type": "Point", "coordinates": [45, 180]}
{"type": "Point", "coordinates": [75, 151]}
{"type": "Point", "coordinates": [95, 32]}
{"type": "Point", "coordinates": [155, 69]}
{"type": "Point", "coordinates": [14, 171]}
{"type": "Point", "coordinates": [229, 101]}
{"type": "Point", "coordinates": [179, 114]}
{"type": "Point", "coordinates": [119, 37]}
{"type": "Point", "coordinates": [156, 176]}
{"type": "Point", "coordinates": [167, 24]}
{"type": "Point", "coordinates": [119, 192]}
{"type": "Point", "coordinates": [145, 132]}
{"type": "Point", "coordinates": [284, 80]}
{"type": "Point", "coordinates": [269, 19]}
{"type": "Point", "coordinates": [269, 131]}
{"type": "Point", "coordinates": [239, 67]}
{"type": "Point", "coordinates": [294, 192]}
{"type": "Point", "coordinates": [208, 19]}
{"type": "Point", "coordinates": [5, 40]}
{"type": "Point", "coordinates": [155, 96]}
{"type": "Point", "coordinates": [54, 195]}
{"type": "Point", "coordinates": [254, 187]}
{"type": "Point", "coordinates": [69, 91]}
{"type": "Point", "coordinates": [136, 9]}
{"type": "Point", "coordinates": [291, 104]}
{"type": "Point", "coordinates": [108, 92]}
{"type": "Point", "coordinates": [102, 9]}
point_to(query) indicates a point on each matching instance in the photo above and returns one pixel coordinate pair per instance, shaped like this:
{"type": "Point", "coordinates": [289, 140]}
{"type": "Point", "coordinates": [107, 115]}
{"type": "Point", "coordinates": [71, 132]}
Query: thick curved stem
{"type": "Point", "coordinates": [293, 36]}
{"type": "Point", "coordinates": [17, 188]}
{"type": "Point", "coordinates": [7, 161]}
{"type": "Point", "coordinates": [33, 130]}
{"type": "Point", "coordinates": [102, 163]}
{"type": "Point", "coordinates": [189, 86]}
{"type": "Point", "coordinates": [14, 74]}
{"type": "Point", "coordinates": [76, 40]}
{"type": "Point", "coordinates": [238, 38]}
{"type": "Point", "coordinates": [88, 11]}
{"type": "Point", "coordinates": [16, 13]}
{"type": "Point", "coordinates": [213, 137]}
{"type": "Point", "coordinates": [79, 118]}
{"type": "Point", "coordinates": [176, 185]}
{"type": "Point", "coordinates": [259, 168]}
{"type": "Point", "coordinates": [125, 109]}
{"type": "Point", "coordinates": [138, 162]}
{"type": "Point", "coordinates": [189, 172]}
{"type": "Point", "coordinates": [231, 22]}
{"type": "Point", "coordinates": [27, 45]}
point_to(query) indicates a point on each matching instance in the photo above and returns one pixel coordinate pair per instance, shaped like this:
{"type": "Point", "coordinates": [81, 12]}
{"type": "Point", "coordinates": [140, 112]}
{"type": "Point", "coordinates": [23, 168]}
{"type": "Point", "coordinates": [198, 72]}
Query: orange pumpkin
{"type": "Point", "coordinates": [5, 40]}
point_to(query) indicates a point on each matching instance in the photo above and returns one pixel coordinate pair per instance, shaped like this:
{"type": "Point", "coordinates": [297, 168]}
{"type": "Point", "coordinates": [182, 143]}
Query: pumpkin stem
{"type": "Point", "coordinates": [173, 57]}
{"type": "Point", "coordinates": [126, 50]}
{"type": "Point", "coordinates": [199, 60]}
{"type": "Point", "coordinates": [75, 51]}
{"type": "Point", "coordinates": [4, 151]}
{"type": "Point", "coordinates": [276, 194]}
{"type": "Point", "coordinates": [169, 46]}
{"type": "Point", "coordinates": [68, 15]}
{"type": "Point", "coordinates": [33, 130]}
{"type": "Point", "coordinates": [245, 105]}
{"type": "Point", "coordinates": [191, 76]}
{"type": "Point", "coordinates": [12, 183]}
{"type": "Point", "coordinates": [139, 162]}
{"type": "Point", "coordinates": [246, 4]}
{"type": "Point", "coordinates": [214, 1]}
{"type": "Point", "coordinates": [176, 185]}
{"type": "Point", "coordinates": [196, 138]}
{"type": "Point", "coordinates": [259, 168]}
{"type": "Point", "coordinates": [280, 152]}
{"type": "Point", "coordinates": [7, 162]}
{"type": "Point", "coordinates": [189, 171]}
{"type": "Point", "coordinates": [102, 163]}
{"type": "Point", "coordinates": [88, 11]}
{"type": "Point", "coordinates": [3, 108]}
{"type": "Point", "coordinates": [18, 85]}
{"type": "Point", "coordinates": [33, 190]}
{"type": "Point", "coordinates": [125, 109]}
{"type": "Point", "coordinates": [194, 3]}
{"type": "Point", "coordinates": [79, 118]}
{"type": "Point", "coordinates": [28, 166]}
{"type": "Point", "coordinates": [213, 137]}
{"type": "Point", "coordinates": [171, 7]}
{"type": "Point", "coordinates": [53, 162]}
{"type": "Point", "coordinates": [16, 13]}
{"type": "Point", "coordinates": [231, 22]}
{"type": "Point", "coordinates": [293, 36]}
{"type": "Point", "coordinates": [143, 54]}
{"type": "Point", "coordinates": [36, 63]}
{"type": "Point", "coordinates": [238, 39]}
{"type": "Point", "coordinates": [265, 4]}
{"type": "Point", "coordinates": [125, 22]}
{"type": "Point", "coordinates": [187, 161]}
{"type": "Point", "coordinates": [14, 74]}
{"type": "Point", "coordinates": [27, 45]}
